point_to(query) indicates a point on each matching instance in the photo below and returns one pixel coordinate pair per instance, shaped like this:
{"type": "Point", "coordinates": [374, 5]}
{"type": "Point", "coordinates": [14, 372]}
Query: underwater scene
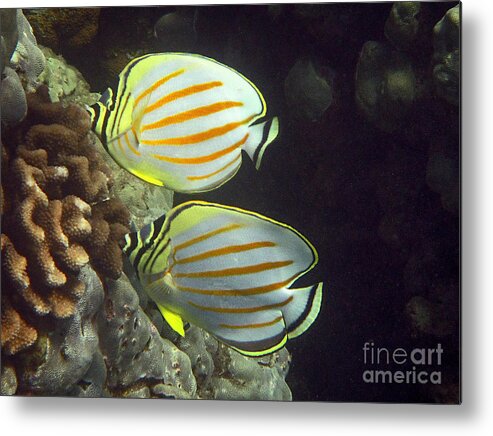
{"type": "Point", "coordinates": [235, 202]}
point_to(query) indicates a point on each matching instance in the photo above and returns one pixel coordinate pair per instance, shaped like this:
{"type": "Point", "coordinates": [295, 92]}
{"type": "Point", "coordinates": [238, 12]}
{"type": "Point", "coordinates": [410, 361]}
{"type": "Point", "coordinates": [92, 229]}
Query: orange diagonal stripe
{"type": "Point", "coordinates": [241, 309]}
{"type": "Point", "coordinates": [202, 159]}
{"type": "Point", "coordinates": [226, 250]}
{"type": "Point", "coordinates": [157, 84]}
{"type": "Point", "coordinates": [198, 137]}
{"type": "Point", "coordinates": [239, 292]}
{"type": "Point", "coordinates": [252, 326]}
{"type": "Point", "coordinates": [201, 111]}
{"type": "Point", "coordinates": [206, 236]}
{"type": "Point", "coordinates": [250, 269]}
{"type": "Point", "coordinates": [180, 94]}
{"type": "Point", "coordinates": [206, 176]}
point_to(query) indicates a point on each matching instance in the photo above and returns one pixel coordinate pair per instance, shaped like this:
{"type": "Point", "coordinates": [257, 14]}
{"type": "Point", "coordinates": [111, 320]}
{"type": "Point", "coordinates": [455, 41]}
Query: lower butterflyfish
{"type": "Point", "coordinates": [182, 120]}
{"type": "Point", "coordinates": [228, 271]}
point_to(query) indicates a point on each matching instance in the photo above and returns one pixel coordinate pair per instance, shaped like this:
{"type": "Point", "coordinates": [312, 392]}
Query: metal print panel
{"type": "Point", "coordinates": [236, 202]}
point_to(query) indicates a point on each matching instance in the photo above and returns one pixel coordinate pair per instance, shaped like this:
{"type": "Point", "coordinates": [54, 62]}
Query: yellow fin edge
{"type": "Point", "coordinates": [174, 320]}
{"type": "Point", "coordinates": [262, 352]}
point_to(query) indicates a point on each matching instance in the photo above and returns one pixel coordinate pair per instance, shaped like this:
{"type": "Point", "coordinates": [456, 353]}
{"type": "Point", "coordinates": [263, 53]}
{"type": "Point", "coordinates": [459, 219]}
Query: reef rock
{"type": "Point", "coordinates": [8, 35]}
{"type": "Point", "coordinates": [307, 92]}
{"type": "Point", "coordinates": [73, 28]}
{"type": "Point", "coordinates": [64, 355]}
{"type": "Point", "coordinates": [54, 212]}
{"type": "Point", "coordinates": [13, 104]}
{"type": "Point", "coordinates": [436, 314]}
{"type": "Point", "coordinates": [385, 85]}
{"type": "Point", "coordinates": [446, 70]}
{"type": "Point", "coordinates": [442, 176]}
{"type": "Point", "coordinates": [175, 31]}
{"type": "Point", "coordinates": [144, 201]}
{"type": "Point", "coordinates": [27, 59]}
{"type": "Point", "coordinates": [137, 358]}
{"type": "Point", "coordinates": [65, 83]}
{"type": "Point", "coordinates": [402, 25]}
{"type": "Point", "coordinates": [21, 64]}
{"type": "Point", "coordinates": [224, 374]}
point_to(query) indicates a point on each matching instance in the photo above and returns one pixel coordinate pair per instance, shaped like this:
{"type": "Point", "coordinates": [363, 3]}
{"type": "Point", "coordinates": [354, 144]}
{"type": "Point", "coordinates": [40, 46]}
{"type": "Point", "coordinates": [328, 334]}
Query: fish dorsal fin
{"type": "Point", "coordinates": [173, 319]}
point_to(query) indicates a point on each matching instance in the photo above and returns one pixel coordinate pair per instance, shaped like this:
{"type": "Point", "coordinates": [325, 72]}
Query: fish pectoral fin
{"type": "Point", "coordinates": [138, 113]}
{"type": "Point", "coordinates": [260, 136]}
{"type": "Point", "coordinates": [173, 319]}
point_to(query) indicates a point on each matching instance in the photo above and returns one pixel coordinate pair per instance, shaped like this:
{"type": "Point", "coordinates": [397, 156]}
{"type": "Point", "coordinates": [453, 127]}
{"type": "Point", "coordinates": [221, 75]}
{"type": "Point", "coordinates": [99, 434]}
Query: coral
{"type": "Point", "coordinates": [55, 185]}
{"type": "Point", "coordinates": [65, 27]}
{"type": "Point", "coordinates": [307, 92]}
{"type": "Point", "coordinates": [61, 357]}
{"type": "Point", "coordinates": [402, 25]}
{"type": "Point", "coordinates": [446, 41]}
{"type": "Point", "coordinates": [139, 362]}
{"type": "Point", "coordinates": [65, 83]}
{"type": "Point", "coordinates": [8, 35]}
{"type": "Point", "coordinates": [13, 104]}
{"type": "Point", "coordinates": [8, 380]}
{"type": "Point", "coordinates": [144, 201]}
{"type": "Point", "coordinates": [224, 374]}
{"type": "Point", "coordinates": [27, 59]}
{"type": "Point", "coordinates": [385, 85]}
{"type": "Point", "coordinates": [16, 333]}
{"type": "Point", "coordinates": [109, 223]}
{"type": "Point", "coordinates": [21, 64]}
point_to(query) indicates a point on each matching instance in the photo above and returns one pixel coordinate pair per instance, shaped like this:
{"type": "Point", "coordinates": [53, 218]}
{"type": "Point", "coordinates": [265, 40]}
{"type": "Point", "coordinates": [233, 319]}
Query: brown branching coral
{"type": "Point", "coordinates": [54, 205]}
{"type": "Point", "coordinates": [109, 223]}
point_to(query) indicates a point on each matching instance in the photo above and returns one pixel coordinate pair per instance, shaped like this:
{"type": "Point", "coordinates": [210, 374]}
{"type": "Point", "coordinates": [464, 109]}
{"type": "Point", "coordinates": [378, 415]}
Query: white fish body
{"type": "Point", "coordinates": [230, 272]}
{"type": "Point", "coordinates": [182, 120]}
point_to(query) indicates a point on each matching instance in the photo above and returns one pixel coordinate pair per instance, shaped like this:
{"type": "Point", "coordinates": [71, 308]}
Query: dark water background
{"type": "Point", "coordinates": [326, 179]}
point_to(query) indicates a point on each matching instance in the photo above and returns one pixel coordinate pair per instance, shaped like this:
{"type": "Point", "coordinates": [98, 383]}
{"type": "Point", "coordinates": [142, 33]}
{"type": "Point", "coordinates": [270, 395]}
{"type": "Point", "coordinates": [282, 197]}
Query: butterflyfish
{"type": "Point", "coordinates": [228, 271]}
{"type": "Point", "coordinates": [182, 120]}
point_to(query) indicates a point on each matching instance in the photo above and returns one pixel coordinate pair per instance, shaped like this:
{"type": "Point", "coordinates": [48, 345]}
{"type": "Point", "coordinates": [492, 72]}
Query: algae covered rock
{"type": "Point", "coordinates": [175, 31]}
{"type": "Point", "coordinates": [446, 70]}
{"type": "Point", "coordinates": [402, 25]}
{"type": "Point", "coordinates": [27, 58]}
{"type": "Point", "coordinates": [21, 62]}
{"type": "Point", "coordinates": [442, 176]}
{"type": "Point", "coordinates": [65, 83]}
{"type": "Point", "coordinates": [385, 85]}
{"type": "Point", "coordinates": [8, 35]}
{"type": "Point", "coordinates": [72, 28]}
{"type": "Point", "coordinates": [136, 356]}
{"type": "Point", "coordinates": [61, 357]}
{"type": "Point", "coordinates": [12, 98]}
{"type": "Point", "coordinates": [307, 92]}
{"type": "Point", "coordinates": [224, 374]}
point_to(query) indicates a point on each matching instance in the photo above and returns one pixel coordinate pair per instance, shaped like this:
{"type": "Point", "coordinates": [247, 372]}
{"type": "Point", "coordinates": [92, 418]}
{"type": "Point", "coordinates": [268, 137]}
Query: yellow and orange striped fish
{"type": "Point", "coordinates": [181, 120]}
{"type": "Point", "coordinates": [228, 271]}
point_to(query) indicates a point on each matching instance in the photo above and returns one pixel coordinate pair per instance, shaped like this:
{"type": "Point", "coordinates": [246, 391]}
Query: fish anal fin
{"type": "Point", "coordinates": [173, 319]}
{"type": "Point", "coordinates": [260, 136]}
{"type": "Point", "coordinates": [262, 340]}
{"type": "Point", "coordinates": [260, 353]}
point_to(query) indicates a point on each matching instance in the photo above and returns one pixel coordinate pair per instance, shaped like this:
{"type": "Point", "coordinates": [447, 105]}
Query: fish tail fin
{"type": "Point", "coordinates": [304, 309]}
{"type": "Point", "coordinates": [260, 136]}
